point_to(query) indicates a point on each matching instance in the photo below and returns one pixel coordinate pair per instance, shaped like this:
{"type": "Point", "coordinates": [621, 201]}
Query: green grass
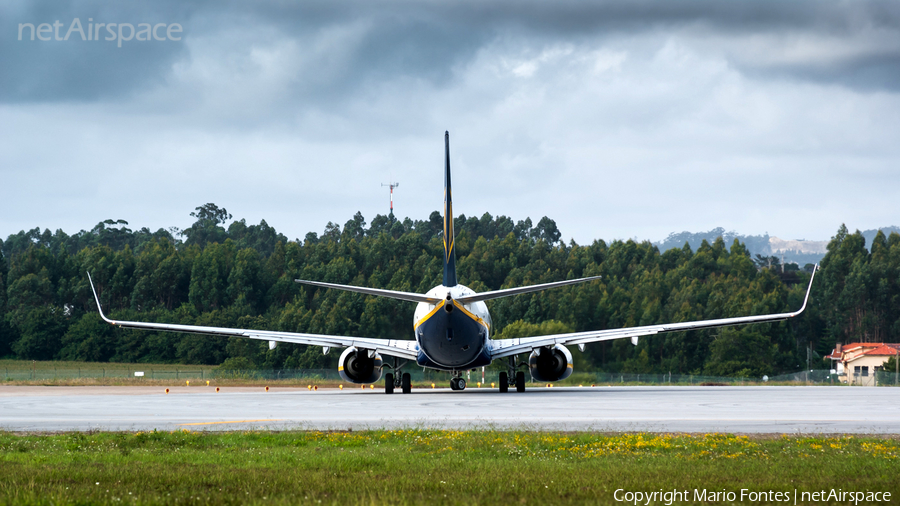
{"type": "Point", "coordinates": [425, 467]}
{"type": "Point", "coordinates": [93, 367]}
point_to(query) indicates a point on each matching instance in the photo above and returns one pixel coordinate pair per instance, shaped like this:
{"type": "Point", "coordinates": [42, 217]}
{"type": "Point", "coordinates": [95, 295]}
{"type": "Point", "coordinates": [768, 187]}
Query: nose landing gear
{"type": "Point", "coordinates": [457, 384]}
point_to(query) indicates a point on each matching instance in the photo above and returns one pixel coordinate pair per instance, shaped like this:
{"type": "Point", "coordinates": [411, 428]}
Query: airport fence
{"type": "Point", "coordinates": [885, 378]}
{"type": "Point", "coordinates": [484, 377]}
{"type": "Point", "coordinates": [64, 373]}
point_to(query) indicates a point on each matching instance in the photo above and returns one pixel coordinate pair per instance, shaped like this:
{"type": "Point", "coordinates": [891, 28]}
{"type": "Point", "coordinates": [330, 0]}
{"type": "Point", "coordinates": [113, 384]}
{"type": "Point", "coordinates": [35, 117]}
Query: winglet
{"type": "Point", "coordinates": [97, 299]}
{"type": "Point", "coordinates": [808, 289]}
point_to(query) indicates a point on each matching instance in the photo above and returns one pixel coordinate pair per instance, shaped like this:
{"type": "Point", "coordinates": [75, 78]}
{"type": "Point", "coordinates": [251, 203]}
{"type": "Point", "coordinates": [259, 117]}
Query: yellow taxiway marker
{"type": "Point", "coordinates": [233, 421]}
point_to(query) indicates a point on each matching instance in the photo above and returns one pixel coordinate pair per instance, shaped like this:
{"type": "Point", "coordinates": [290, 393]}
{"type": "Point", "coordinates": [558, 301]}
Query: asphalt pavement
{"type": "Point", "coordinates": [762, 409]}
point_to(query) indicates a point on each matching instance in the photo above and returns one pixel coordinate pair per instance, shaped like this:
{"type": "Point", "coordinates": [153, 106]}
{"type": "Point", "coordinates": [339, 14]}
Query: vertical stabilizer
{"type": "Point", "coordinates": [449, 236]}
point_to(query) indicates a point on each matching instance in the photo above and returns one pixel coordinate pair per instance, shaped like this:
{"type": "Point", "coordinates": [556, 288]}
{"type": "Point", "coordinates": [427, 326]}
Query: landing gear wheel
{"type": "Point", "coordinates": [520, 381]}
{"type": "Point", "coordinates": [405, 383]}
{"type": "Point", "coordinates": [504, 383]}
{"type": "Point", "coordinates": [388, 383]}
{"type": "Point", "coordinates": [453, 385]}
{"type": "Point", "coordinates": [460, 384]}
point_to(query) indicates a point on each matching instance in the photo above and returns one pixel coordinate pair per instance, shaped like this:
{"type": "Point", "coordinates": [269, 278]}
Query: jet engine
{"type": "Point", "coordinates": [550, 364]}
{"type": "Point", "coordinates": [358, 366]}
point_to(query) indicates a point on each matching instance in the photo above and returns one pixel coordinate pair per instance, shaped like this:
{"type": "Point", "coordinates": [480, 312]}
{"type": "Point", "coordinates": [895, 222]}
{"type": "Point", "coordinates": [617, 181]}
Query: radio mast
{"type": "Point", "coordinates": [392, 186]}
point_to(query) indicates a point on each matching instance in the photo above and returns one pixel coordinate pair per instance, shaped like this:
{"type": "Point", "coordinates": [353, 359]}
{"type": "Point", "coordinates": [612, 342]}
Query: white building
{"type": "Point", "coordinates": [856, 363]}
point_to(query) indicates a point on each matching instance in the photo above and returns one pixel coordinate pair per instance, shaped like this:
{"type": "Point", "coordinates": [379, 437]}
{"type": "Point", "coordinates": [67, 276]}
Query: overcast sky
{"type": "Point", "coordinates": [616, 119]}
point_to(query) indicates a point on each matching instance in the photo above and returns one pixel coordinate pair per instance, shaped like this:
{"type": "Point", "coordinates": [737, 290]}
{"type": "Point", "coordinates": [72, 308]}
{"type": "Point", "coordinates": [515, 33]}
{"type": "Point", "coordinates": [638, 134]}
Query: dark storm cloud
{"type": "Point", "coordinates": [426, 40]}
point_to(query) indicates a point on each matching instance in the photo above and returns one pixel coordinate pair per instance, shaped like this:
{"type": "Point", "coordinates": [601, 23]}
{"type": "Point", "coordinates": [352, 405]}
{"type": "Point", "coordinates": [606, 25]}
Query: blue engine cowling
{"type": "Point", "coordinates": [552, 364]}
{"type": "Point", "coordinates": [356, 366]}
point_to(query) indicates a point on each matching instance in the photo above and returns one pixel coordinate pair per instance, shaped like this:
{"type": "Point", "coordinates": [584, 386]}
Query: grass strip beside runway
{"type": "Point", "coordinates": [426, 467]}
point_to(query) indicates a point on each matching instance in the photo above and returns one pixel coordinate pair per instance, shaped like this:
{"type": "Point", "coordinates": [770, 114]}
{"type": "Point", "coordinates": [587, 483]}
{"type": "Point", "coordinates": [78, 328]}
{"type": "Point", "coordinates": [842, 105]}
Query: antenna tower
{"type": "Point", "coordinates": [392, 186]}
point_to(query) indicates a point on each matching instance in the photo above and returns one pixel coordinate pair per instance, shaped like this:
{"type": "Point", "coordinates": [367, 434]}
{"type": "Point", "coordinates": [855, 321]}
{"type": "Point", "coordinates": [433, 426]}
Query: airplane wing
{"type": "Point", "coordinates": [508, 347]}
{"type": "Point", "coordinates": [395, 348]}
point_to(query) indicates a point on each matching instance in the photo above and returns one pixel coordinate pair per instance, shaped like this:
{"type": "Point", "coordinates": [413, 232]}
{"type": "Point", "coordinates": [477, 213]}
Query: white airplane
{"type": "Point", "coordinates": [452, 329]}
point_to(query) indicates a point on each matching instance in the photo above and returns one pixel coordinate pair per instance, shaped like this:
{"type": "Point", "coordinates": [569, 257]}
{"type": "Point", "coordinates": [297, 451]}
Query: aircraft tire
{"type": "Point", "coordinates": [504, 383]}
{"type": "Point", "coordinates": [520, 381]}
{"type": "Point", "coordinates": [388, 383]}
{"type": "Point", "coordinates": [405, 383]}
{"type": "Point", "coordinates": [460, 384]}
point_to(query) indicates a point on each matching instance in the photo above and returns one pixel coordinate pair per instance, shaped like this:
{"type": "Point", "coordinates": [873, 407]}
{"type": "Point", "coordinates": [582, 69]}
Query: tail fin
{"type": "Point", "coordinates": [449, 236]}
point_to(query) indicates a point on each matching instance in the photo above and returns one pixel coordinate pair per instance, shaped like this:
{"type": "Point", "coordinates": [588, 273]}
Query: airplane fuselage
{"type": "Point", "coordinates": [452, 336]}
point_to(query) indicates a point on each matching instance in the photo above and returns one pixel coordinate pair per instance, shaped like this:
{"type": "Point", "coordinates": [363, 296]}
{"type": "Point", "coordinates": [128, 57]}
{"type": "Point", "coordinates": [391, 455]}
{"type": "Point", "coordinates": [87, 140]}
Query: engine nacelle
{"type": "Point", "coordinates": [552, 364]}
{"type": "Point", "coordinates": [356, 366]}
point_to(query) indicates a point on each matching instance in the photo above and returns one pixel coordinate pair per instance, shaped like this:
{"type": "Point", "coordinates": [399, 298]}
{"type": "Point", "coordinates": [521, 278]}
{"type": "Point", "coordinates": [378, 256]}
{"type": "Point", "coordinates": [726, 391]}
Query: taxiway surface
{"type": "Point", "coordinates": [768, 409]}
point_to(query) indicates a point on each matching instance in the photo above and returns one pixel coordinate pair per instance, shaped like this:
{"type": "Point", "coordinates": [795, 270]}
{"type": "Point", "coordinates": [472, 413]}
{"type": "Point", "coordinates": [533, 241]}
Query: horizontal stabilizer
{"type": "Point", "coordinates": [392, 294]}
{"type": "Point", "coordinates": [496, 294]}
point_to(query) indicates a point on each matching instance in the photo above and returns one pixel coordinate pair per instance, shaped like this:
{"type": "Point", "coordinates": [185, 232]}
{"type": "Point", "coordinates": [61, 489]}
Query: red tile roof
{"type": "Point", "coordinates": [854, 350]}
{"type": "Point", "coordinates": [882, 350]}
{"type": "Point", "coordinates": [856, 346]}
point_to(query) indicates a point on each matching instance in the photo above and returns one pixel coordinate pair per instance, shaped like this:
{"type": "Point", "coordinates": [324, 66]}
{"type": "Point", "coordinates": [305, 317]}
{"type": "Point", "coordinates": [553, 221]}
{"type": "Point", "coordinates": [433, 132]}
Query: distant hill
{"type": "Point", "coordinates": [755, 243]}
{"type": "Point", "coordinates": [799, 251]}
{"type": "Point", "coordinates": [870, 234]}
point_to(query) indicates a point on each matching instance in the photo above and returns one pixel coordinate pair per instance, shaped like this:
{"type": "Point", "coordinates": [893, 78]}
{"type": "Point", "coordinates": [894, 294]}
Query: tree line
{"type": "Point", "coordinates": [243, 276]}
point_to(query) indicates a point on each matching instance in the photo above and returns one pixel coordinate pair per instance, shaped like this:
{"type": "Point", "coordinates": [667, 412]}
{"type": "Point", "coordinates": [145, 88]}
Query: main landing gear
{"type": "Point", "coordinates": [404, 382]}
{"type": "Point", "coordinates": [519, 376]}
{"type": "Point", "coordinates": [390, 383]}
